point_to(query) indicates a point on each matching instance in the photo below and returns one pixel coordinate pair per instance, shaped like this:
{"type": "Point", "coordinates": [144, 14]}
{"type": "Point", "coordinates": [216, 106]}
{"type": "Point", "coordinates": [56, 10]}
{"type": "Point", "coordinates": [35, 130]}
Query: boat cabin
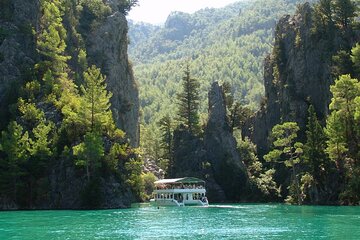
{"type": "Point", "coordinates": [180, 192]}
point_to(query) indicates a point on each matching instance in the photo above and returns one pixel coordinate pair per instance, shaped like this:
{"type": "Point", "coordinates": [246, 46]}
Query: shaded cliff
{"type": "Point", "coordinates": [214, 157]}
{"type": "Point", "coordinates": [221, 148]}
{"type": "Point", "coordinates": [17, 50]}
{"type": "Point", "coordinates": [297, 73]}
{"type": "Point", "coordinates": [107, 48]}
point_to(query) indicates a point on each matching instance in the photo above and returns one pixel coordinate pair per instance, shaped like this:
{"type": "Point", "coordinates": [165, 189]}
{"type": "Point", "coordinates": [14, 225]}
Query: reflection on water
{"type": "Point", "coordinates": [218, 221]}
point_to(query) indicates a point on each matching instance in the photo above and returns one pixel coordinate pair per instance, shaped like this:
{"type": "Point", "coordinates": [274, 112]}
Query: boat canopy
{"type": "Point", "coordinates": [179, 180]}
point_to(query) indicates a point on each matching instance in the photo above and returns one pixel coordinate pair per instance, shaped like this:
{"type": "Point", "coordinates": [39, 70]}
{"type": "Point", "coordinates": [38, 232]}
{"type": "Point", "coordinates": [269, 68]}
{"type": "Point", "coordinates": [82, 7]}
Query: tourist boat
{"type": "Point", "coordinates": [180, 192]}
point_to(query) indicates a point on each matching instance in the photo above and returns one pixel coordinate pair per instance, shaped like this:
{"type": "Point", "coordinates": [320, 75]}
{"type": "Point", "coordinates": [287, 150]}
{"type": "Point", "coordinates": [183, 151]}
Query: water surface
{"type": "Point", "coordinates": [215, 222]}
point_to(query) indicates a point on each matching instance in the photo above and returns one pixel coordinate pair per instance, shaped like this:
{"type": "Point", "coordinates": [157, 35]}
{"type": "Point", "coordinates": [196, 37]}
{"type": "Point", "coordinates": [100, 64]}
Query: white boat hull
{"type": "Point", "coordinates": [173, 202]}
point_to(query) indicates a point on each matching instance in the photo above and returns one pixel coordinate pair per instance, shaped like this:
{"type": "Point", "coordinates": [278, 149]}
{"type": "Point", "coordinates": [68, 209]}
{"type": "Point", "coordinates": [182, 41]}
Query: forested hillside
{"type": "Point", "coordinates": [66, 140]}
{"type": "Point", "coordinates": [228, 45]}
{"type": "Point", "coordinates": [302, 145]}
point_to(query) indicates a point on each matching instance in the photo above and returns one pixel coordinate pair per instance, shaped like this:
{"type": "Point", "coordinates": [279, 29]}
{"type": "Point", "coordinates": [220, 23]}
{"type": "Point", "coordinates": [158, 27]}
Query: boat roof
{"type": "Point", "coordinates": [180, 180]}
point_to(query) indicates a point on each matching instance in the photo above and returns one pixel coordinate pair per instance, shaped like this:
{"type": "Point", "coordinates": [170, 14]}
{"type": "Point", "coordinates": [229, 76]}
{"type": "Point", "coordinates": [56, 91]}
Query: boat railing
{"type": "Point", "coordinates": [185, 186]}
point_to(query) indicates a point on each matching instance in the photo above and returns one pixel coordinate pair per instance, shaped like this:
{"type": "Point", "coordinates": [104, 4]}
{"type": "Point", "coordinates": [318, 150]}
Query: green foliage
{"type": "Point", "coordinates": [323, 16]}
{"type": "Point", "coordinates": [55, 120]}
{"type": "Point", "coordinates": [341, 63]}
{"type": "Point", "coordinates": [345, 91]}
{"type": "Point", "coordinates": [51, 37]}
{"type": "Point", "coordinates": [149, 186]}
{"type": "Point", "coordinates": [314, 156]}
{"type": "Point", "coordinates": [30, 114]}
{"type": "Point", "coordinates": [189, 102]}
{"type": "Point", "coordinates": [345, 12]}
{"type": "Point", "coordinates": [343, 134]}
{"type": "Point", "coordinates": [97, 7]}
{"type": "Point", "coordinates": [117, 151]}
{"type": "Point", "coordinates": [166, 127]}
{"type": "Point", "coordinates": [134, 178]}
{"type": "Point", "coordinates": [31, 90]}
{"type": "Point", "coordinates": [237, 114]}
{"type": "Point", "coordinates": [222, 45]}
{"type": "Point", "coordinates": [355, 58]}
{"type": "Point", "coordinates": [89, 153]}
{"type": "Point", "coordinates": [287, 151]}
{"type": "Point", "coordinates": [259, 176]}
{"type": "Point", "coordinates": [14, 144]}
{"type": "Point", "coordinates": [126, 5]}
{"type": "Point", "coordinates": [95, 110]}
{"type": "Point", "coordinates": [336, 143]}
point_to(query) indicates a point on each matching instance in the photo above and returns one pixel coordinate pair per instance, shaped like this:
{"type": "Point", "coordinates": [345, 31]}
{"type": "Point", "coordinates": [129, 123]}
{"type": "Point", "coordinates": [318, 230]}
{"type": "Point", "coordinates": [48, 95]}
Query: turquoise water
{"type": "Point", "coordinates": [214, 222]}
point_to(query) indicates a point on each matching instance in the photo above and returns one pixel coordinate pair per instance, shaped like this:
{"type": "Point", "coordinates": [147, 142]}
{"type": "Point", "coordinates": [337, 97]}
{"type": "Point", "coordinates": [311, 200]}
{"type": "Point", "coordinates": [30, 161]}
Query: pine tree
{"type": "Point", "coordinates": [89, 153]}
{"type": "Point", "coordinates": [288, 152]}
{"type": "Point", "coordinates": [189, 102]}
{"type": "Point", "coordinates": [95, 111]}
{"type": "Point", "coordinates": [166, 128]}
{"type": "Point", "coordinates": [314, 149]}
{"type": "Point", "coordinates": [345, 12]}
{"type": "Point", "coordinates": [14, 144]}
{"type": "Point", "coordinates": [355, 58]}
{"type": "Point", "coordinates": [343, 135]}
{"type": "Point", "coordinates": [237, 114]}
{"type": "Point", "coordinates": [343, 105]}
{"type": "Point", "coordinates": [323, 16]}
{"type": "Point", "coordinates": [51, 45]}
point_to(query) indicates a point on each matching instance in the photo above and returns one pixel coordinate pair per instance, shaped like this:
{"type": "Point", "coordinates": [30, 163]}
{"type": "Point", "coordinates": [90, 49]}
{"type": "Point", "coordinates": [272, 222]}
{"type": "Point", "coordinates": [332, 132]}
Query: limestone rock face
{"type": "Point", "coordinates": [17, 48]}
{"type": "Point", "coordinates": [190, 160]}
{"type": "Point", "coordinates": [228, 169]}
{"type": "Point", "coordinates": [215, 157]}
{"type": "Point", "coordinates": [68, 190]}
{"type": "Point", "coordinates": [107, 48]}
{"type": "Point", "coordinates": [302, 62]}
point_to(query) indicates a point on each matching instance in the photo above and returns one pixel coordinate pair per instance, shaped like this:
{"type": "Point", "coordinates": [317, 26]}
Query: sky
{"type": "Point", "coordinates": [156, 11]}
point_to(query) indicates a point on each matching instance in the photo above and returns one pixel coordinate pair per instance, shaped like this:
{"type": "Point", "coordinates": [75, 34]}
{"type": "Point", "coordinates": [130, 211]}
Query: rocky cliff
{"type": "Point", "coordinates": [107, 48]}
{"type": "Point", "coordinates": [61, 184]}
{"type": "Point", "coordinates": [228, 169]}
{"type": "Point", "coordinates": [17, 50]}
{"type": "Point", "coordinates": [296, 74]}
{"type": "Point", "coordinates": [215, 157]}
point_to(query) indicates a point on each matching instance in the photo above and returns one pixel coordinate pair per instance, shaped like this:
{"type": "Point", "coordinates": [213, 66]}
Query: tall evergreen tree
{"type": "Point", "coordinates": [343, 105]}
{"type": "Point", "coordinates": [315, 157]}
{"type": "Point", "coordinates": [51, 45]}
{"type": "Point", "coordinates": [343, 135]}
{"type": "Point", "coordinates": [237, 114]}
{"type": "Point", "coordinates": [287, 151]}
{"type": "Point", "coordinates": [95, 110]}
{"type": "Point", "coordinates": [166, 128]}
{"type": "Point", "coordinates": [355, 58]}
{"type": "Point", "coordinates": [89, 153]}
{"type": "Point", "coordinates": [189, 102]}
{"type": "Point", "coordinates": [14, 144]}
{"type": "Point", "coordinates": [323, 15]}
{"type": "Point", "coordinates": [345, 11]}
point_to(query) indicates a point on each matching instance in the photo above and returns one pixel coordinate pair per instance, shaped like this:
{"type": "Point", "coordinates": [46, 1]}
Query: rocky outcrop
{"type": "Point", "coordinates": [190, 160]}
{"type": "Point", "coordinates": [150, 166]}
{"type": "Point", "coordinates": [213, 158]}
{"type": "Point", "coordinates": [17, 49]}
{"type": "Point", "coordinates": [71, 190]}
{"type": "Point", "coordinates": [221, 148]}
{"type": "Point", "coordinates": [107, 48]}
{"type": "Point", "coordinates": [296, 74]}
